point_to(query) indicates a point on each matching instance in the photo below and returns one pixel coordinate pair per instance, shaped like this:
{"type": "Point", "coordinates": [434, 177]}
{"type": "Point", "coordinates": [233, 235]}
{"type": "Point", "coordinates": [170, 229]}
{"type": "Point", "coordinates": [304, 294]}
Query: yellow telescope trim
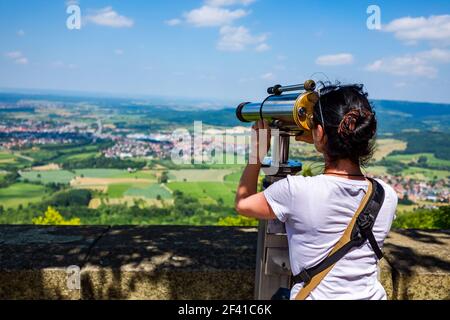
{"type": "Point", "coordinates": [304, 109]}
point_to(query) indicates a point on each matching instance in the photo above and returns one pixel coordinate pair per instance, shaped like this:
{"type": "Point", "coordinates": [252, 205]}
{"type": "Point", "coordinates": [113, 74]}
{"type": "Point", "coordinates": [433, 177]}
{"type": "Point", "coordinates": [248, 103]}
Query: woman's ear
{"type": "Point", "coordinates": [319, 137]}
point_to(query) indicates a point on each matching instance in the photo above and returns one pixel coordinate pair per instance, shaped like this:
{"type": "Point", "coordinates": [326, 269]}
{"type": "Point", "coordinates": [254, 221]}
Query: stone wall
{"type": "Point", "coordinates": [174, 262]}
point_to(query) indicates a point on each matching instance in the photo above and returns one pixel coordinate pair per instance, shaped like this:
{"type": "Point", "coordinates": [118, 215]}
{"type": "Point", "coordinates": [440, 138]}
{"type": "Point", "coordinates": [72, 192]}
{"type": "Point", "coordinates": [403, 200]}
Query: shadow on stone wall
{"type": "Point", "coordinates": [167, 262]}
{"type": "Point", "coordinates": [161, 262]}
{"type": "Point", "coordinates": [175, 262]}
{"type": "Point", "coordinates": [420, 262]}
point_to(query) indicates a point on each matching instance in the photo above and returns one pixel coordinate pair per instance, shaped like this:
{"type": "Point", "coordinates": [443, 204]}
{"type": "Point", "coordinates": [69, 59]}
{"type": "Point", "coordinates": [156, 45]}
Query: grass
{"type": "Point", "coordinates": [103, 173]}
{"type": "Point", "coordinates": [81, 156]}
{"type": "Point", "coordinates": [7, 158]}
{"type": "Point", "coordinates": [376, 170]}
{"type": "Point", "coordinates": [425, 174]}
{"type": "Point", "coordinates": [115, 174]}
{"type": "Point", "coordinates": [21, 193]}
{"type": "Point", "coordinates": [118, 190]}
{"type": "Point", "coordinates": [6, 155]}
{"type": "Point", "coordinates": [233, 177]}
{"type": "Point", "coordinates": [197, 175]}
{"type": "Point", "coordinates": [207, 192]}
{"type": "Point", "coordinates": [57, 176]}
{"type": "Point", "coordinates": [387, 146]}
{"type": "Point", "coordinates": [431, 159]}
{"type": "Point", "coordinates": [149, 192]}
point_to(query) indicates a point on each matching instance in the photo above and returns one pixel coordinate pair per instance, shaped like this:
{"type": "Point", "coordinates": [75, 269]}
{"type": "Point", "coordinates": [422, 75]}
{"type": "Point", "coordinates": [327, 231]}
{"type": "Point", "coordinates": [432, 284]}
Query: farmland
{"type": "Point", "coordinates": [109, 162]}
{"type": "Point", "coordinates": [207, 192]}
{"type": "Point", "coordinates": [21, 194]}
{"type": "Point", "coordinates": [428, 158]}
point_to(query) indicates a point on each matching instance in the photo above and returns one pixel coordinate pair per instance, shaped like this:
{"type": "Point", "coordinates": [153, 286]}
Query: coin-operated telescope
{"type": "Point", "coordinates": [290, 110]}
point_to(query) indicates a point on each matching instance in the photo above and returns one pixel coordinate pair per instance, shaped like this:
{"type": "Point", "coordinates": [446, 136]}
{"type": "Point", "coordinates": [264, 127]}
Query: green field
{"type": "Point", "coordinates": [139, 190]}
{"type": "Point", "coordinates": [207, 192]}
{"type": "Point", "coordinates": [81, 156]}
{"type": "Point", "coordinates": [233, 177]}
{"type": "Point", "coordinates": [197, 175]}
{"type": "Point", "coordinates": [56, 176]}
{"type": "Point", "coordinates": [21, 193]}
{"type": "Point", "coordinates": [114, 174]}
{"type": "Point", "coordinates": [117, 191]}
{"type": "Point", "coordinates": [62, 153]}
{"type": "Point", "coordinates": [431, 159]}
{"type": "Point", "coordinates": [12, 162]}
{"type": "Point", "coordinates": [149, 192]}
{"type": "Point", "coordinates": [6, 156]}
{"type": "Point", "coordinates": [425, 174]}
{"type": "Point", "coordinates": [376, 170]}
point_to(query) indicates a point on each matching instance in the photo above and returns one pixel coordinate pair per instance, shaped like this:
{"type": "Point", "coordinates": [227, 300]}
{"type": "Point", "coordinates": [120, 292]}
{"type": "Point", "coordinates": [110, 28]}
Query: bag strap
{"type": "Point", "coordinates": [358, 231]}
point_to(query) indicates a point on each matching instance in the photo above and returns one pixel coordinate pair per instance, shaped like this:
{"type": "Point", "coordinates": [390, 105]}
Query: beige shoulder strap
{"type": "Point", "coordinates": [346, 237]}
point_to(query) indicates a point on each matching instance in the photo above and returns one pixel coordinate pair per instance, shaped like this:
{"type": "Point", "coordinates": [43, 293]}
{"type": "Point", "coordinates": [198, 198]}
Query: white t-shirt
{"type": "Point", "coordinates": [317, 210]}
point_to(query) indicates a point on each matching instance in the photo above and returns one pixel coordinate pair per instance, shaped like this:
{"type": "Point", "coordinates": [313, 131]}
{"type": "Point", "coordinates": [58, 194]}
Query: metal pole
{"type": "Point", "coordinates": [272, 256]}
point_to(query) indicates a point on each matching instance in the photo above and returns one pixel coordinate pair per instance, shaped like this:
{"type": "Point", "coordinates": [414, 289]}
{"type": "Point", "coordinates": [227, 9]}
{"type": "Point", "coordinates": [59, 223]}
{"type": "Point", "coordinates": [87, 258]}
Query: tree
{"type": "Point", "coordinates": [422, 160]}
{"type": "Point", "coordinates": [164, 177]}
{"type": "Point", "coordinates": [237, 221]}
{"type": "Point", "coordinates": [53, 217]}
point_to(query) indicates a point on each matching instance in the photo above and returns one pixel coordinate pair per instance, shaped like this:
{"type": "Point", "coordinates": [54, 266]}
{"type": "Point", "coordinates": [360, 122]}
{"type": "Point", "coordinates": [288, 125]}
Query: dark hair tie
{"type": "Point", "coordinates": [348, 125]}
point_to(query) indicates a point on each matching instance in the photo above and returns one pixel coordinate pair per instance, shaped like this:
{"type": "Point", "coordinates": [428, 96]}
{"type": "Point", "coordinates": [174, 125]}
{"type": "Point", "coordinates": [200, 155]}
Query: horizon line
{"type": "Point", "coordinates": [103, 94]}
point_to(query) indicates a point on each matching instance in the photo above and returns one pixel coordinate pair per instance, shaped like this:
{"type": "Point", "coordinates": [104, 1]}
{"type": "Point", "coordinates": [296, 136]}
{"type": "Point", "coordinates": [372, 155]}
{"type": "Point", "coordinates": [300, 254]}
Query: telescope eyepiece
{"type": "Point", "coordinates": [275, 90]}
{"type": "Point", "coordinates": [239, 112]}
{"type": "Point", "coordinates": [310, 85]}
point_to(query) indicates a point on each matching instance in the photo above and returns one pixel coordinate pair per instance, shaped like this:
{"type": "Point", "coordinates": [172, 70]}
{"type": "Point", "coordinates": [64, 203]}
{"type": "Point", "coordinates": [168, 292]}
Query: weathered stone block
{"type": "Point", "coordinates": [172, 263]}
{"type": "Point", "coordinates": [34, 260]}
{"type": "Point", "coordinates": [420, 262]}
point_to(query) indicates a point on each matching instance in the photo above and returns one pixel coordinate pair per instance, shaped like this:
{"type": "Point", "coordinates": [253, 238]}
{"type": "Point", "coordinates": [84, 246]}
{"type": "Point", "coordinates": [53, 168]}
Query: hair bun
{"type": "Point", "coordinates": [350, 122]}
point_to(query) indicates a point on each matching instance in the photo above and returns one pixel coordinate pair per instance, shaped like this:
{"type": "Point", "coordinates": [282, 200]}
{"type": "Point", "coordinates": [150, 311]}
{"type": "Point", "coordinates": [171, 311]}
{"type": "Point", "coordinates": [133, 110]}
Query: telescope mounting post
{"type": "Point", "coordinates": [272, 258]}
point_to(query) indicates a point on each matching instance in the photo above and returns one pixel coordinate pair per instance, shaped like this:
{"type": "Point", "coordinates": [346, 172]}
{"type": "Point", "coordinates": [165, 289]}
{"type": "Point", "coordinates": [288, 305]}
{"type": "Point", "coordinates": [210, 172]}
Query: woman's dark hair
{"type": "Point", "coordinates": [349, 122]}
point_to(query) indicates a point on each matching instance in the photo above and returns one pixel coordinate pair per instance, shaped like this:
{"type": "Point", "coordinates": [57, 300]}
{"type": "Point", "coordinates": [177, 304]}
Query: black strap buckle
{"type": "Point", "coordinates": [303, 277]}
{"type": "Point", "coordinates": [365, 222]}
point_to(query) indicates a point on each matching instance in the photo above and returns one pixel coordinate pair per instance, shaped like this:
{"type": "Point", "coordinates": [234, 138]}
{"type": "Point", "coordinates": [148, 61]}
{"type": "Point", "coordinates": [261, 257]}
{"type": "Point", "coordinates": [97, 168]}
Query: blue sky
{"type": "Point", "coordinates": [225, 50]}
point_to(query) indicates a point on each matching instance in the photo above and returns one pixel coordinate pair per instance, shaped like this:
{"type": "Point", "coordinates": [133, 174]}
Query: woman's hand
{"type": "Point", "coordinates": [248, 202]}
{"type": "Point", "coordinates": [260, 143]}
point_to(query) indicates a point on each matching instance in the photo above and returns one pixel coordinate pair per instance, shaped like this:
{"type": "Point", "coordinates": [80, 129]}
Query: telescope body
{"type": "Point", "coordinates": [289, 112]}
{"type": "Point", "coordinates": [275, 108]}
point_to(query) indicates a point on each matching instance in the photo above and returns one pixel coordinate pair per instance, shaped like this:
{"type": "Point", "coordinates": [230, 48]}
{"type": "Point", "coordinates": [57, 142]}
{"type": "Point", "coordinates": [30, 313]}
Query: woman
{"type": "Point", "coordinates": [317, 210]}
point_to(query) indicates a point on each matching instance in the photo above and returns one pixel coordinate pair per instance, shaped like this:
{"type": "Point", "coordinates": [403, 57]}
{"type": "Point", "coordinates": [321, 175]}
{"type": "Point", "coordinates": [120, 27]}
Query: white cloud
{"type": "Point", "coordinates": [262, 47]}
{"type": "Point", "coordinates": [20, 33]}
{"type": "Point", "coordinates": [14, 54]}
{"type": "Point", "coordinates": [420, 64]}
{"type": "Point", "coordinates": [436, 55]}
{"type": "Point", "coordinates": [412, 30]}
{"type": "Point", "coordinates": [239, 39]}
{"type": "Point", "coordinates": [215, 13]}
{"type": "Point", "coordinates": [207, 16]}
{"type": "Point", "coordinates": [173, 22]}
{"type": "Point", "coordinates": [224, 3]}
{"type": "Point", "coordinates": [109, 18]}
{"type": "Point", "coordinates": [335, 59]}
{"type": "Point", "coordinates": [61, 65]}
{"type": "Point", "coordinates": [268, 76]}
{"type": "Point", "coordinates": [119, 52]}
{"type": "Point", "coordinates": [22, 60]}
{"type": "Point", "coordinates": [17, 56]}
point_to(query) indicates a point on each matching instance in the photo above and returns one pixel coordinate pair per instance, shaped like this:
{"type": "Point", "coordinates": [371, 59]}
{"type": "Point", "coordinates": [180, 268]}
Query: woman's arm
{"type": "Point", "coordinates": [249, 203]}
